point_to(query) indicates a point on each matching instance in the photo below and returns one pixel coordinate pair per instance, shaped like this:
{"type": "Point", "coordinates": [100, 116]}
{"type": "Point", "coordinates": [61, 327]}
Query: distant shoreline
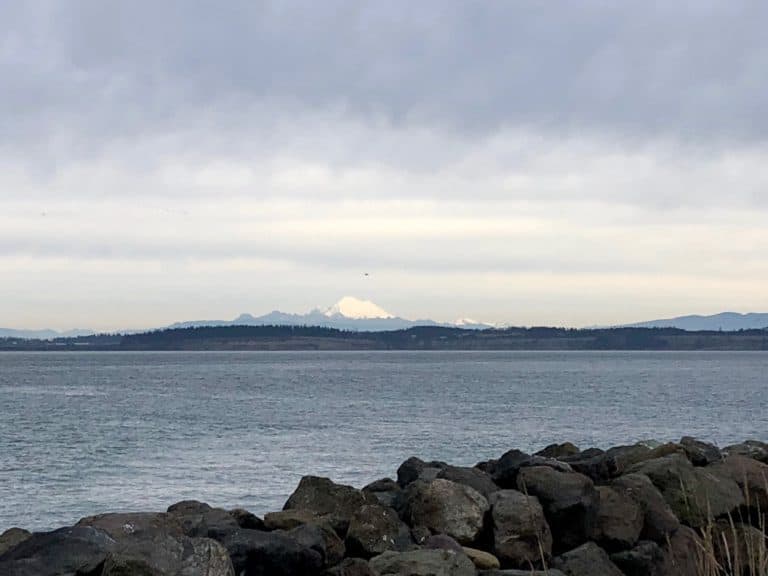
{"type": "Point", "coordinates": [311, 338]}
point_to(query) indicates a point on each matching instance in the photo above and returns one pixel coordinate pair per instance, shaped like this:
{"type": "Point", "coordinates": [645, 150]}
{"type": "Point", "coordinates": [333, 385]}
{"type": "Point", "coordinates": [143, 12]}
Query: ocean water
{"type": "Point", "coordinates": [85, 433]}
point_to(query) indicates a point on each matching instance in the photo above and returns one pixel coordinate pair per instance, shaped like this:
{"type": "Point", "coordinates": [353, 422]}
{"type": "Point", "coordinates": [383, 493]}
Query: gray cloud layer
{"type": "Point", "coordinates": [690, 70]}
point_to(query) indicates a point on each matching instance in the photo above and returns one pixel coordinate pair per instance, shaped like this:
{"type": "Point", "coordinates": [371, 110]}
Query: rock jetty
{"type": "Point", "coordinates": [679, 509]}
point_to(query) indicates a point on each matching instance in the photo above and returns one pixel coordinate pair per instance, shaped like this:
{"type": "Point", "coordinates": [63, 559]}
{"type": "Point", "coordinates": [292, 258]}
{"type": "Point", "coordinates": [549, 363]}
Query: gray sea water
{"type": "Point", "coordinates": [85, 433]}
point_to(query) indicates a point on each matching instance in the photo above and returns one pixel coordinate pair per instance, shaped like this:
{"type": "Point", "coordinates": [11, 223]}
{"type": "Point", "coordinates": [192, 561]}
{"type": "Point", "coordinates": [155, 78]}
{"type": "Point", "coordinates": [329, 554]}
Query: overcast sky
{"type": "Point", "coordinates": [563, 163]}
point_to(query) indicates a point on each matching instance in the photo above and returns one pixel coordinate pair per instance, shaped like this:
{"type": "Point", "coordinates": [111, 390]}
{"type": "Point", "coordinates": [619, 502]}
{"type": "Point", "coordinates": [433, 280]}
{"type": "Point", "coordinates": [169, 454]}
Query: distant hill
{"type": "Point", "coordinates": [42, 334]}
{"type": "Point", "coordinates": [725, 321]}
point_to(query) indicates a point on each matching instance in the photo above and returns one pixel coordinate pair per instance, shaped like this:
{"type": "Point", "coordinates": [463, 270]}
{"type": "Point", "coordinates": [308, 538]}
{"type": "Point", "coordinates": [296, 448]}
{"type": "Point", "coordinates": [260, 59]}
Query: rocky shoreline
{"type": "Point", "coordinates": [677, 509]}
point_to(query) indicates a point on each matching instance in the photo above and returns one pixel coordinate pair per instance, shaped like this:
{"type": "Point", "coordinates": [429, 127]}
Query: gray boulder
{"type": "Point", "coordinates": [416, 469]}
{"type": "Point", "coordinates": [506, 469]}
{"type": "Point", "coordinates": [472, 477]}
{"type": "Point", "coordinates": [321, 538]}
{"type": "Point", "coordinates": [659, 522]}
{"type": "Point", "coordinates": [751, 449]}
{"type": "Point", "coordinates": [647, 558]}
{"type": "Point", "coordinates": [256, 553]}
{"type": "Point", "coordinates": [446, 507]}
{"type": "Point", "coordinates": [423, 563]}
{"type": "Point", "coordinates": [619, 520]}
{"type": "Point", "coordinates": [247, 519]}
{"type": "Point", "coordinates": [442, 542]}
{"type": "Point", "coordinates": [511, 572]}
{"type": "Point", "coordinates": [520, 532]}
{"type": "Point", "coordinates": [586, 560]}
{"type": "Point", "coordinates": [752, 479]}
{"type": "Point", "coordinates": [570, 503]}
{"type": "Point", "coordinates": [160, 554]}
{"type": "Point", "coordinates": [199, 520]}
{"type": "Point", "coordinates": [290, 519]}
{"type": "Point", "coordinates": [694, 494]}
{"type": "Point", "coordinates": [12, 538]}
{"type": "Point", "coordinates": [64, 552]}
{"type": "Point", "coordinates": [128, 525]}
{"type": "Point", "coordinates": [558, 451]}
{"type": "Point", "coordinates": [386, 491]}
{"type": "Point", "coordinates": [375, 529]}
{"type": "Point", "coordinates": [324, 497]}
{"type": "Point", "coordinates": [700, 453]}
{"type": "Point", "coordinates": [351, 567]}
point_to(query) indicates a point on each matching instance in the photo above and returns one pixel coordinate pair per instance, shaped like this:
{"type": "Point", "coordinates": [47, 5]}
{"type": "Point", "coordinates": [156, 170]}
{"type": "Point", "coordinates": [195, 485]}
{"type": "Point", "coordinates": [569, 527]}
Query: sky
{"type": "Point", "coordinates": [518, 162]}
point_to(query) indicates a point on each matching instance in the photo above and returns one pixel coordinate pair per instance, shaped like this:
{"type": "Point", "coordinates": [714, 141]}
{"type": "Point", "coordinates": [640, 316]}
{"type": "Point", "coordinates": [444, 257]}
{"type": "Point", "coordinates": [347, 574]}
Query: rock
{"type": "Point", "coordinates": [752, 478]}
{"type": "Point", "coordinates": [520, 573]}
{"type": "Point", "coordinates": [198, 519]}
{"type": "Point", "coordinates": [324, 497]}
{"type": "Point", "coordinates": [619, 520]}
{"type": "Point", "coordinates": [443, 542]}
{"type": "Point", "coordinates": [692, 493]}
{"type": "Point", "coordinates": [11, 538]}
{"type": "Point", "coordinates": [446, 507]}
{"type": "Point", "coordinates": [246, 519]}
{"type": "Point", "coordinates": [374, 529]}
{"type": "Point", "coordinates": [586, 560]}
{"type": "Point", "coordinates": [683, 555]}
{"type": "Point", "coordinates": [472, 477]}
{"type": "Point", "coordinates": [751, 449]}
{"type": "Point", "coordinates": [739, 547]}
{"type": "Point", "coordinates": [420, 534]}
{"type": "Point", "coordinates": [161, 554]}
{"type": "Point", "coordinates": [570, 503]}
{"type": "Point", "coordinates": [700, 453]}
{"type": "Point", "coordinates": [321, 538]}
{"type": "Point", "coordinates": [558, 451]}
{"type": "Point", "coordinates": [289, 519]}
{"type": "Point", "coordinates": [124, 525]}
{"type": "Point", "coordinates": [416, 469]}
{"type": "Point", "coordinates": [63, 552]}
{"type": "Point", "coordinates": [351, 567]}
{"type": "Point", "coordinates": [482, 560]}
{"type": "Point", "coordinates": [508, 467]}
{"type": "Point", "coordinates": [520, 532]}
{"type": "Point", "coordinates": [658, 520]}
{"type": "Point", "coordinates": [423, 563]}
{"type": "Point", "coordinates": [645, 559]}
{"type": "Point", "coordinates": [386, 491]}
{"type": "Point", "coordinates": [603, 466]}
{"type": "Point", "coordinates": [256, 553]}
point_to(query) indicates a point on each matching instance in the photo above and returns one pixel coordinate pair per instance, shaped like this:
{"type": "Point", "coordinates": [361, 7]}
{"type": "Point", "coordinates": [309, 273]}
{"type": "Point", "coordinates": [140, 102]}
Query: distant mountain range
{"type": "Point", "coordinates": [364, 316]}
{"type": "Point", "coordinates": [725, 321]}
{"type": "Point", "coordinates": [349, 313]}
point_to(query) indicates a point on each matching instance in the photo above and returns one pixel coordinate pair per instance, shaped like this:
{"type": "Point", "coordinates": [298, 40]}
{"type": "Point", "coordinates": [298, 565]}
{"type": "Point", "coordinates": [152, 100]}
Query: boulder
{"type": "Point", "coordinates": [694, 494]}
{"type": "Point", "coordinates": [619, 520]}
{"type": "Point", "coordinates": [351, 567]}
{"type": "Point", "coordinates": [658, 520]}
{"type": "Point", "coordinates": [420, 535]}
{"type": "Point", "coordinates": [63, 552]}
{"type": "Point", "coordinates": [472, 477]}
{"type": "Point", "coordinates": [558, 451]}
{"type": "Point", "coordinates": [508, 467]}
{"type": "Point", "coordinates": [740, 548]}
{"type": "Point", "coordinates": [11, 538]}
{"type": "Point", "coordinates": [570, 503]}
{"type": "Point", "coordinates": [290, 519]}
{"type": "Point", "coordinates": [520, 532]}
{"type": "Point", "coordinates": [247, 519]}
{"type": "Point", "coordinates": [751, 449]}
{"type": "Point", "coordinates": [482, 560]}
{"type": "Point", "coordinates": [442, 542]}
{"type": "Point", "coordinates": [126, 525]}
{"type": "Point", "coordinates": [386, 491]}
{"type": "Point", "coordinates": [700, 453]}
{"type": "Point", "coordinates": [423, 563]}
{"type": "Point", "coordinates": [321, 538]}
{"type": "Point", "coordinates": [645, 559]}
{"type": "Point", "coordinates": [162, 554]}
{"type": "Point", "coordinates": [416, 469]}
{"type": "Point", "coordinates": [375, 529]}
{"type": "Point", "coordinates": [752, 479]}
{"type": "Point", "coordinates": [603, 466]}
{"type": "Point", "coordinates": [199, 520]}
{"type": "Point", "coordinates": [257, 553]}
{"type": "Point", "coordinates": [446, 507]}
{"type": "Point", "coordinates": [520, 573]}
{"type": "Point", "coordinates": [683, 554]}
{"type": "Point", "coordinates": [586, 560]}
{"type": "Point", "coordinates": [324, 497]}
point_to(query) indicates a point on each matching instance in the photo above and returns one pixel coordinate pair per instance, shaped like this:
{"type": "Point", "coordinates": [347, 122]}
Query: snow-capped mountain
{"type": "Point", "coordinates": [349, 313]}
{"type": "Point", "coordinates": [351, 307]}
